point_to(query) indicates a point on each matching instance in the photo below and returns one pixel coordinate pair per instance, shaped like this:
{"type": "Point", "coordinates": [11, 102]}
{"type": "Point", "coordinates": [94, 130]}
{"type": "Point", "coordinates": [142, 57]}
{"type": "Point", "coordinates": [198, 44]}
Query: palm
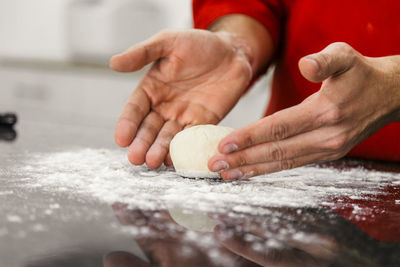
{"type": "Point", "coordinates": [197, 78]}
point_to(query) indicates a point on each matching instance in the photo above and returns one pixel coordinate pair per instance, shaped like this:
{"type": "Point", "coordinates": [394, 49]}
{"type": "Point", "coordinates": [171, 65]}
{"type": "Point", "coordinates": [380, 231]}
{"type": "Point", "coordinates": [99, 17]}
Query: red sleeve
{"type": "Point", "coordinates": [267, 12]}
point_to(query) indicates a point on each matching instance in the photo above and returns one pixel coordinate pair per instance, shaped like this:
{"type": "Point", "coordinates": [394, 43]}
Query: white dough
{"type": "Point", "coordinates": [192, 219]}
{"type": "Point", "coordinates": [191, 149]}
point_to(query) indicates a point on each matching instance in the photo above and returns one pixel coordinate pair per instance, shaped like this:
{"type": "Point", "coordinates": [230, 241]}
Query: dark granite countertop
{"type": "Point", "coordinates": [68, 197]}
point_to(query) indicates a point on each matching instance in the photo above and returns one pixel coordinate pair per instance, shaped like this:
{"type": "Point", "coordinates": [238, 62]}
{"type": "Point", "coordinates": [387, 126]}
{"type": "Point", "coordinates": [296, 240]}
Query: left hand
{"type": "Point", "coordinates": [359, 95]}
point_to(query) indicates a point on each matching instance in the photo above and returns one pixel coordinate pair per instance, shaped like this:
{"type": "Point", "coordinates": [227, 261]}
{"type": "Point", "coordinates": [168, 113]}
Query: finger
{"type": "Point", "coordinates": [279, 126]}
{"type": "Point", "coordinates": [289, 148]}
{"type": "Point", "coordinates": [138, 56]}
{"type": "Point", "coordinates": [126, 216]}
{"type": "Point", "coordinates": [145, 137]}
{"type": "Point", "coordinates": [234, 242]}
{"type": "Point", "coordinates": [316, 245]}
{"type": "Point", "coordinates": [135, 110]}
{"type": "Point", "coordinates": [248, 171]}
{"type": "Point", "coordinates": [325, 143]}
{"type": "Point", "coordinates": [321, 247]}
{"type": "Point", "coordinates": [335, 59]}
{"type": "Point", "coordinates": [160, 148]}
{"type": "Point", "coordinates": [168, 160]}
{"type": "Point", "coordinates": [259, 250]}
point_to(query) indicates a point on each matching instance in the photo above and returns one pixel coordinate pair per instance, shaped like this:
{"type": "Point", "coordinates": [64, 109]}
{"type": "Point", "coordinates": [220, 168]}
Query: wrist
{"type": "Point", "coordinates": [396, 84]}
{"type": "Point", "coordinates": [391, 69]}
{"type": "Point", "coordinates": [249, 36]}
{"type": "Point", "coordinates": [239, 45]}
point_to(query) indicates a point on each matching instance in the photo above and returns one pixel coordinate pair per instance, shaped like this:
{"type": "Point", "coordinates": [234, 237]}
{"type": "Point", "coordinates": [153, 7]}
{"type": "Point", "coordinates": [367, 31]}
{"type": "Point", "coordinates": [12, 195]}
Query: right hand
{"type": "Point", "coordinates": [162, 241]}
{"type": "Point", "coordinates": [197, 77]}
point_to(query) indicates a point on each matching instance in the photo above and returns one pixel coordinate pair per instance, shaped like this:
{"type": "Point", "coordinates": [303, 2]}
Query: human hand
{"type": "Point", "coordinates": [196, 78]}
{"type": "Point", "coordinates": [163, 241]}
{"type": "Point", "coordinates": [359, 95]}
{"type": "Point", "coordinates": [270, 251]}
{"type": "Point", "coordinates": [313, 237]}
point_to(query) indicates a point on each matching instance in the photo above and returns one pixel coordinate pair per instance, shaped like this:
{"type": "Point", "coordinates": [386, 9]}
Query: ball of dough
{"type": "Point", "coordinates": [192, 219]}
{"type": "Point", "coordinates": [191, 149]}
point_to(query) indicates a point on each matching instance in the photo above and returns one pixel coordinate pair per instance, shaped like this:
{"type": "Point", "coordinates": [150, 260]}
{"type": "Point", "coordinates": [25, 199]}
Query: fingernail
{"type": "Point", "coordinates": [234, 175]}
{"type": "Point", "coordinates": [315, 63]}
{"type": "Point", "coordinates": [219, 166]}
{"type": "Point", "coordinates": [229, 148]}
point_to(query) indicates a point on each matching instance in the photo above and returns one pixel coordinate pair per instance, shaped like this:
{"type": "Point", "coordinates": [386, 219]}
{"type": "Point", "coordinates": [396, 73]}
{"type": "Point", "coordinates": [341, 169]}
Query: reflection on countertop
{"type": "Point", "coordinates": [284, 237]}
{"type": "Point", "coordinates": [7, 133]}
{"type": "Point", "coordinates": [352, 230]}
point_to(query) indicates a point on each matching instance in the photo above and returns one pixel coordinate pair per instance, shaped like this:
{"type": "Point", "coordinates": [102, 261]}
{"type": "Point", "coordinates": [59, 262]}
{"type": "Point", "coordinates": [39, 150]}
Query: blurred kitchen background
{"type": "Point", "coordinates": [54, 56]}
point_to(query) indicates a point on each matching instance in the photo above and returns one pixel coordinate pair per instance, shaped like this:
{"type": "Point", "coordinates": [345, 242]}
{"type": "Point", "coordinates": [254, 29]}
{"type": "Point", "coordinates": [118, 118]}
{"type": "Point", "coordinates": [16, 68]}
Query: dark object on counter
{"type": "Point", "coordinates": [7, 133]}
{"type": "Point", "coordinates": [8, 119]}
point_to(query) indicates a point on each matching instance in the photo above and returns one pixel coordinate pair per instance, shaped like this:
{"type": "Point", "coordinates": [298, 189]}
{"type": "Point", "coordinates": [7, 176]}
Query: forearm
{"type": "Point", "coordinates": [250, 36]}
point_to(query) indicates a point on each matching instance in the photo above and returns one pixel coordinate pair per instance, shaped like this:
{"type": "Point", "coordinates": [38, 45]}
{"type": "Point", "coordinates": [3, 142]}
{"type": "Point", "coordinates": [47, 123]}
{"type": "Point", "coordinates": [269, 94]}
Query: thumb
{"type": "Point", "coordinates": [334, 60]}
{"type": "Point", "coordinates": [141, 54]}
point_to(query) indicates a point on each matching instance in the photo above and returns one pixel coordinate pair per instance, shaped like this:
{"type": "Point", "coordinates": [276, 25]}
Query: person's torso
{"type": "Point", "coordinates": [371, 27]}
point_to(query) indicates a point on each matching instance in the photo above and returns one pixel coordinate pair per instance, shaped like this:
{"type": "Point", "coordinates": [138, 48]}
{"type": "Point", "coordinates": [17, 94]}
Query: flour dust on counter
{"type": "Point", "coordinates": [106, 176]}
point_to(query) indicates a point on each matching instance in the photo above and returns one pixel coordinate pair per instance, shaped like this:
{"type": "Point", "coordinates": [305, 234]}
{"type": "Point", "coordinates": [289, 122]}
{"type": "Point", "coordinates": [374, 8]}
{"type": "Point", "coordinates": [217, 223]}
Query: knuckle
{"type": "Point", "coordinates": [287, 164]}
{"type": "Point", "coordinates": [330, 54]}
{"type": "Point", "coordinates": [279, 131]}
{"type": "Point", "coordinates": [149, 127]}
{"type": "Point", "coordinates": [162, 144]}
{"type": "Point", "coordinates": [276, 153]}
{"type": "Point", "coordinates": [147, 53]}
{"type": "Point", "coordinates": [242, 158]}
{"type": "Point", "coordinates": [134, 109]}
{"type": "Point", "coordinates": [144, 140]}
{"type": "Point", "coordinates": [337, 143]}
{"type": "Point", "coordinates": [333, 116]}
{"type": "Point", "coordinates": [342, 46]}
{"type": "Point", "coordinates": [324, 60]}
{"type": "Point", "coordinates": [346, 50]}
{"type": "Point", "coordinates": [248, 139]}
{"type": "Point", "coordinates": [165, 137]}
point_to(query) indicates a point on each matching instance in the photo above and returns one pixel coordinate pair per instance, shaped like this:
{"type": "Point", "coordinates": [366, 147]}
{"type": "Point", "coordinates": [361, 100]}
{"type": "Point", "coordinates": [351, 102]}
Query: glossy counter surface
{"type": "Point", "coordinates": [68, 197]}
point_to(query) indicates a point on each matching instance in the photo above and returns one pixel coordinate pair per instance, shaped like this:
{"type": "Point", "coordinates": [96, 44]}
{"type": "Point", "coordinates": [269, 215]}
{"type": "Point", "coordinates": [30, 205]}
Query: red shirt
{"type": "Point", "coordinates": [302, 27]}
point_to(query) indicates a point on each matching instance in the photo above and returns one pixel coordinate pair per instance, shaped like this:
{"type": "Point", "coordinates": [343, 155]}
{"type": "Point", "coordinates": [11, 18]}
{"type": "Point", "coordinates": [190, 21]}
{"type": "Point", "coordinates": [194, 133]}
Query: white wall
{"type": "Point", "coordinates": [33, 29]}
{"type": "Point", "coordinates": [179, 12]}
{"type": "Point", "coordinates": [57, 30]}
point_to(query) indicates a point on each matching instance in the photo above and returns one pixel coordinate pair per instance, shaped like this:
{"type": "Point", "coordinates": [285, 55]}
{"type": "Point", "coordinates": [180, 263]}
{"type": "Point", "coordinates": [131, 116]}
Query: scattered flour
{"type": "Point", "coordinates": [6, 193]}
{"type": "Point", "coordinates": [14, 218]}
{"type": "Point", "coordinates": [106, 176]}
